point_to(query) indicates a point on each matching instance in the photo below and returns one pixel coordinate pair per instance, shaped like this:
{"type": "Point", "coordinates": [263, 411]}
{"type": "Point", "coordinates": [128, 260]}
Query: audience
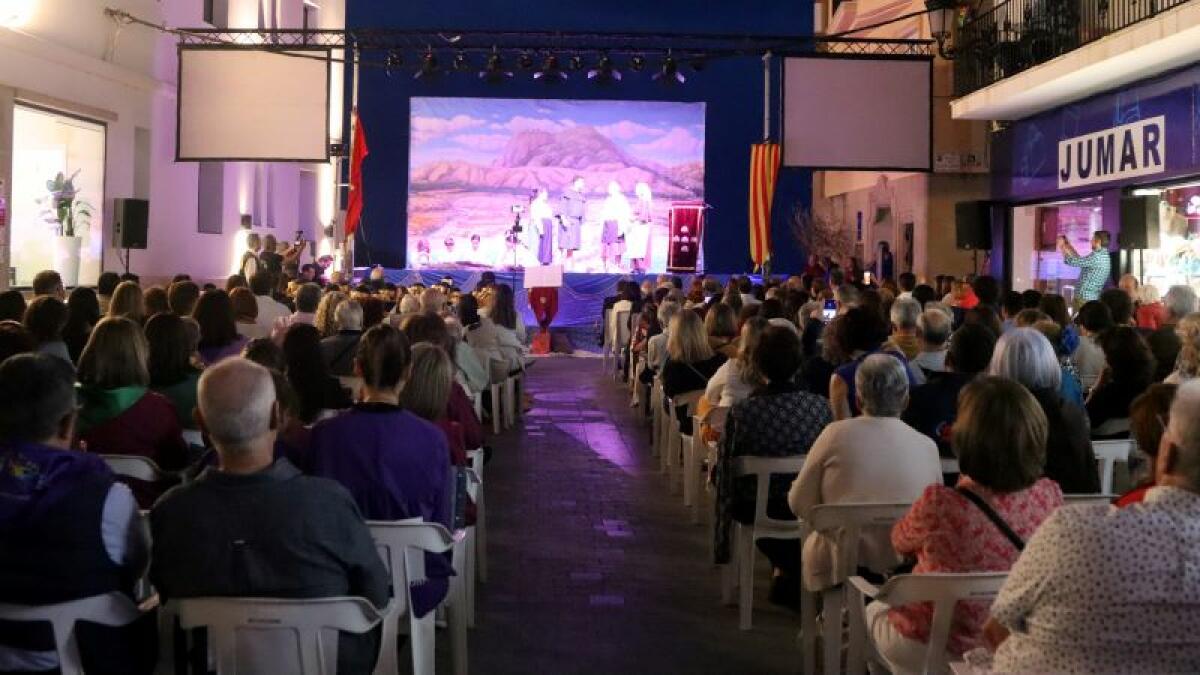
{"type": "Point", "coordinates": [127, 301]}
{"type": "Point", "coordinates": [690, 363]}
{"type": "Point", "coordinates": [395, 464]}
{"type": "Point", "coordinates": [1151, 313]}
{"type": "Point", "coordinates": [979, 525]}
{"type": "Point", "coordinates": [106, 285]}
{"type": "Point", "coordinates": [1093, 318]}
{"type": "Point", "coordinates": [738, 377]}
{"type": "Point", "coordinates": [68, 530]}
{"type": "Point", "coordinates": [1187, 364]}
{"type": "Point", "coordinates": [48, 282]}
{"type": "Point", "coordinates": [1164, 342]}
{"type": "Point", "coordinates": [118, 413]}
{"type": "Point", "coordinates": [429, 328]}
{"type": "Point", "coordinates": [245, 313]}
{"type": "Point", "coordinates": [45, 319]}
{"type": "Point", "coordinates": [338, 349]}
{"type": "Point", "coordinates": [905, 315]}
{"type": "Point", "coordinates": [83, 312]}
{"type": "Point", "coordinates": [1149, 416]}
{"type": "Point", "coordinates": [864, 332]}
{"type": "Point", "coordinates": [182, 297]}
{"type": "Point", "coordinates": [933, 406]}
{"type": "Point", "coordinates": [254, 525]}
{"type": "Point", "coordinates": [268, 310]}
{"type": "Point", "coordinates": [326, 314]}
{"type": "Point", "coordinates": [219, 338]}
{"type": "Point", "coordinates": [933, 331]}
{"type": "Point", "coordinates": [1025, 356]}
{"type": "Point", "coordinates": [14, 339]}
{"type": "Point", "coordinates": [721, 325]}
{"type": "Point", "coordinates": [871, 458]}
{"type": "Point", "coordinates": [320, 393]}
{"type": "Point", "coordinates": [779, 420]}
{"type": "Point", "coordinates": [173, 373]}
{"type": "Point", "coordinates": [1111, 590]}
{"type": "Point", "coordinates": [1129, 369]}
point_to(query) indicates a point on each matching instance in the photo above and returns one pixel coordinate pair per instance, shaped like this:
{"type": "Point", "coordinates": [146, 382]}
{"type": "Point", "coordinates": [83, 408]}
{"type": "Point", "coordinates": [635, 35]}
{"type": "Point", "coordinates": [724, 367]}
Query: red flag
{"type": "Point", "coordinates": [354, 204]}
{"type": "Point", "coordinates": [764, 168]}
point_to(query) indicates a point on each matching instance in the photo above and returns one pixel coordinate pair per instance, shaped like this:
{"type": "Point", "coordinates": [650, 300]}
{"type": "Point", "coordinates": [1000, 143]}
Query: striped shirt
{"type": "Point", "coordinates": [1094, 270]}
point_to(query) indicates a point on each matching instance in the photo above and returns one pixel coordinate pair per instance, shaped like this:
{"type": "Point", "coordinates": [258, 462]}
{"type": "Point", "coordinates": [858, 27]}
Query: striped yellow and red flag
{"type": "Point", "coordinates": [764, 169]}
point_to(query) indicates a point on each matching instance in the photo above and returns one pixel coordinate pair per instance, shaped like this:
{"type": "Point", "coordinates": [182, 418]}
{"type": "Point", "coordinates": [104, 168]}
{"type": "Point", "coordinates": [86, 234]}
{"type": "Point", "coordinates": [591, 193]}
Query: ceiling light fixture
{"type": "Point", "coordinates": [550, 70]}
{"type": "Point", "coordinates": [670, 71]}
{"type": "Point", "coordinates": [494, 70]}
{"type": "Point", "coordinates": [604, 70]}
{"type": "Point", "coordinates": [428, 65]}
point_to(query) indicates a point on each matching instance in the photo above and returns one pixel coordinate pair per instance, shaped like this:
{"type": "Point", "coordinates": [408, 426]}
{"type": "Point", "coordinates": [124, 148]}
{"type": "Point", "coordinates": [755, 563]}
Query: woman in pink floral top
{"type": "Point", "coordinates": [1000, 439]}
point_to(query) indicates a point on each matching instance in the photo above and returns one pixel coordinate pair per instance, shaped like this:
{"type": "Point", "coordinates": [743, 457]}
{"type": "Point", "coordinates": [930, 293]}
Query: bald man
{"type": "Point", "coordinates": [254, 526]}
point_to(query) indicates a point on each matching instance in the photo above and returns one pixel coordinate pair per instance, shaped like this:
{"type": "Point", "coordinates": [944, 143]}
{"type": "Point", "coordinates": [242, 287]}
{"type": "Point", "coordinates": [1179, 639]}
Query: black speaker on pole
{"type": "Point", "coordinates": [1139, 223]}
{"type": "Point", "coordinates": [131, 220]}
{"type": "Point", "coordinates": [973, 225]}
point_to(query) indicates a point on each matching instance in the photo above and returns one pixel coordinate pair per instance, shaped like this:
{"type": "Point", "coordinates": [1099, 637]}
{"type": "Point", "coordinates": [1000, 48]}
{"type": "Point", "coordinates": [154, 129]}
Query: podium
{"type": "Point", "coordinates": [542, 284]}
{"type": "Point", "coordinates": [685, 223]}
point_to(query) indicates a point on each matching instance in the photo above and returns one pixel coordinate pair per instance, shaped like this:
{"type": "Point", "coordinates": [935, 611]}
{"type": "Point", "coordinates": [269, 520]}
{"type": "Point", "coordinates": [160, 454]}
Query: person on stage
{"type": "Point", "coordinates": [541, 217]}
{"type": "Point", "coordinates": [616, 215]}
{"type": "Point", "coordinates": [574, 206]}
{"type": "Point", "coordinates": [637, 242]}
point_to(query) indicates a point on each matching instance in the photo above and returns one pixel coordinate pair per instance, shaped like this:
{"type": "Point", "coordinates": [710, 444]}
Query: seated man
{"type": "Point", "coordinates": [1109, 590]}
{"type": "Point", "coordinates": [257, 527]}
{"type": "Point", "coordinates": [67, 530]}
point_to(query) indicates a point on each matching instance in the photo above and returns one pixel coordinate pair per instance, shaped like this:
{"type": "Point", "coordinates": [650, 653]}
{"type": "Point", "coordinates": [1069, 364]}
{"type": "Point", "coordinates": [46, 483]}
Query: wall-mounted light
{"type": "Point", "coordinates": [247, 221]}
{"type": "Point", "coordinates": [941, 19]}
{"type": "Point", "coordinates": [16, 13]}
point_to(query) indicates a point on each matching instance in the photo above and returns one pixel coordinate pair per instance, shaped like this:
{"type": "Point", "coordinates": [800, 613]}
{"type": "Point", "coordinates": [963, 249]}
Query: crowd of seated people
{"type": "Point", "coordinates": [292, 462]}
{"type": "Point", "coordinates": [1015, 386]}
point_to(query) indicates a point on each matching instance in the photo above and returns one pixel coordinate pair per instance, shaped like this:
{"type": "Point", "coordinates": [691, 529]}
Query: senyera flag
{"type": "Point", "coordinates": [764, 169]}
{"type": "Point", "coordinates": [354, 205]}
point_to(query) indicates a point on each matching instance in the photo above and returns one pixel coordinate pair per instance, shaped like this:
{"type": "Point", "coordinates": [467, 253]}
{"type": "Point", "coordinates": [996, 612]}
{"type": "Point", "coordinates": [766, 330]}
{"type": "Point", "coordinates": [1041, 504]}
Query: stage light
{"type": "Point", "coordinates": [16, 13]}
{"type": "Point", "coordinates": [494, 69]}
{"type": "Point", "coordinates": [550, 71]}
{"type": "Point", "coordinates": [525, 61]}
{"type": "Point", "coordinates": [395, 61]}
{"type": "Point", "coordinates": [670, 71]}
{"type": "Point", "coordinates": [604, 70]}
{"type": "Point", "coordinates": [428, 65]}
{"type": "Point", "coordinates": [576, 62]}
{"type": "Point", "coordinates": [460, 61]}
{"type": "Point", "coordinates": [637, 62]}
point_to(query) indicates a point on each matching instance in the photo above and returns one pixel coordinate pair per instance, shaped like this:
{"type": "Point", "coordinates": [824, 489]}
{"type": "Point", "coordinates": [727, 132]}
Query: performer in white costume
{"type": "Point", "coordinates": [616, 215]}
{"type": "Point", "coordinates": [571, 214]}
{"type": "Point", "coordinates": [637, 241]}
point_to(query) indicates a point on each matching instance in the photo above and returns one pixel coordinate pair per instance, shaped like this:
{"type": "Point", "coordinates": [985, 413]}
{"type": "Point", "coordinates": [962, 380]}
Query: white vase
{"type": "Point", "coordinates": [66, 259]}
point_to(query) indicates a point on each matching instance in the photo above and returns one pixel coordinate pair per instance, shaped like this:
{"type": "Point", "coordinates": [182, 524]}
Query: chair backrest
{"type": "Point", "coordinates": [134, 466]}
{"type": "Point", "coordinates": [351, 383]}
{"type": "Point", "coordinates": [1108, 453]}
{"type": "Point", "coordinates": [260, 635]}
{"type": "Point", "coordinates": [402, 545]}
{"type": "Point", "coordinates": [763, 468]}
{"type": "Point", "coordinates": [608, 328]}
{"type": "Point", "coordinates": [193, 437]}
{"type": "Point", "coordinates": [845, 523]}
{"type": "Point", "coordinates": [944, 590]}
{"type": "Point", "coordinates": [950, 465]}
{"type": "Point", "coordinates": [688, 399]}
{"type": "Point", "coordinates": [1072, 500]}
{"type": "Point", "coordinates": [620, 329]}
{"type": "Point", "coordinates": [109, 609]}
{"type": "Point", "coordinates": [716, 417]}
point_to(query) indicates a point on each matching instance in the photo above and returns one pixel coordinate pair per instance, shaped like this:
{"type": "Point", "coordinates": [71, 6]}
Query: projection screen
{"type": "Point", "coordinates": [253, 104]}
{"type": "Point", "coordinates": [858, 113]}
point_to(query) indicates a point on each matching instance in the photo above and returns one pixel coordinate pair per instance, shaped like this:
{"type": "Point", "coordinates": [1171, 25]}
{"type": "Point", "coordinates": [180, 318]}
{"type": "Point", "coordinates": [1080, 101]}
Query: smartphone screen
{"type": "Point", "coordinates": [828, 314]}
{"type": "Point", "coordinates": [867, 278]}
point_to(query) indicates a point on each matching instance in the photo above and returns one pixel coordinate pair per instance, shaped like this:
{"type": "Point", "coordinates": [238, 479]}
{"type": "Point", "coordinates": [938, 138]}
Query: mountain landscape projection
{"type": "Point", "coordinates": [471, 161]}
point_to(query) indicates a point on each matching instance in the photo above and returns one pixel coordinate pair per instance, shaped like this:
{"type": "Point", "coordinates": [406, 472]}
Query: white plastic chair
{"type": "Point", "coordinates": [950, 465]}
{"type": "Point", "coordinates": [353, 384]}
{"type": "Point", "coordinates": [1108, 453]}
{"type": "Point", "coordinates": [480, 548]}
{"type": "Point", "coordinates": [134, 466]}
{"type": "Point", "coordinates": [288, 635]}
{"type": "Point", "coordinates": [656, 418]}
{"type": "Point", "coordinates": [606, 340]}
{"type": "Point", "coordinates": [616, 336]}
{"type": "Point", "coordinates": [1073, 500]}
{"type": "Point", "coordinates": [741, 565]}
{"type": "Point", "coordinates": [402, 546]}
{"type": "Point", "coordinates": [944, 590]}
{"type": "Point", "coordinates": [193, 437]}
{"type": "Point", "coordinates": [109, 609]}
{"type": "Point", "coordinates": [513, 384]}
{"type": "Point", "coordinates": [844, 522]}
{"type": "Point", "coordinates": [693, 450]}
{"type": "Point", "coordinates": [681, 450]}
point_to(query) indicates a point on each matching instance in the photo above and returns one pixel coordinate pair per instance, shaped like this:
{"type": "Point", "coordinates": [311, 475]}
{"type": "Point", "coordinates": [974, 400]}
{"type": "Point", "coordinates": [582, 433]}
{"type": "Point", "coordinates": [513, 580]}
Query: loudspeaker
{"type": "Point", "coordinates": [131, 220]}
{"type": "Point", "coordinates": [1139, 222]}
{"type": "Point", "coordinates": [973, 225]}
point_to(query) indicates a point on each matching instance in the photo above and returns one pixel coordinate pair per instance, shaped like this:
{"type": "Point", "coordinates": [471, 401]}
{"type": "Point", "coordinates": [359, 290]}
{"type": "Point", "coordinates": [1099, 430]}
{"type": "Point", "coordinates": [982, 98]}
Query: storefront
{"type": "Point", "coordinates": [1126, 162]}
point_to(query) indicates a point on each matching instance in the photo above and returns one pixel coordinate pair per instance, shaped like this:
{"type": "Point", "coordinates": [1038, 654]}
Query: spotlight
{"type": "Point", "coordinates": [494, 69]}
{"type": "Point", "coordinates": [525, 61]}
{"type": "Point", "coordinates": [604, 70]}
{"type": "Point", "coordinates": [576, 63]}
{"type": "Point", "coordinates": [637, 62]}
{"type": "Point", "coordinates": [428, 65]}
{"type": "Point", "coordinates": [670, 71]}
{"type": "Point", "coordinates": [550, 71]}
{"type": "Point", "coordinates": [460, 61]}
{"type": "Point", "coordinates": [394, 62]}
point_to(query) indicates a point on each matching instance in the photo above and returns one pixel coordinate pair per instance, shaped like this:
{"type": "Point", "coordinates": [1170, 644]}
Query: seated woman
{"type": "Point", "coordinates": [779, 420]}
{"type": "Point", "coordinates": [245, 314]}
{"type": "Point", "coordinates": [219, 336]}
{"type": "Point", "coordinates": [127, 301]}
{"type": "Point", "coordinates": [721, 325]}
{"type": "Point", "coordinates": [510, 329]}
{"type": "Point", "coordinates": [118, 414]}
{"type": "Point", "coordinates": [429, 328]}
{"type": "Point", "coordinates": [1187, 366]}
{"type": "Point", "coordinates": [738, 377]}
{"type": "Point", "coordinates": [172, 371]}
{"type": "Point", "coordinates": [1025, 356]}
{"type": "Point", "coordinates": [45, 320]}
{"type": "Point", "coordinates": [395, 464]}
{"type": "Point", "coordinates": [319, 391]}
{"type": "Point", "coordinates": [872, 458]}
{"type": "Point", "coordinates": [864, 332]}
{"type": "Point", "coordinates": [1128, 371]}
{"type": "Point", "coordinates": [1149, 416]}
{"type": "Point", "coordinates": [83, 312]}
{"type": "Point", "coordinates": [1000, 439]}
{"type": "Point", "coordinates": [691, 362]}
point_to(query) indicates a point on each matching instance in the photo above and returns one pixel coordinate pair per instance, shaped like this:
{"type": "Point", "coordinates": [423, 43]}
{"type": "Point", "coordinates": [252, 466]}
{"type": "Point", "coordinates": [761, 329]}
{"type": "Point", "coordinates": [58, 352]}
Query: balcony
{"type": "Point", "coordinates": [1024, 57]}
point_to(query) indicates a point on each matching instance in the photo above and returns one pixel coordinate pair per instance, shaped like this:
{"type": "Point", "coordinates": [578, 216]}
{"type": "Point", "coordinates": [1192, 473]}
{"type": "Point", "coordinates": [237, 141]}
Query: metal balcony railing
{"type": "Point", "coordinates": [1016, 35]}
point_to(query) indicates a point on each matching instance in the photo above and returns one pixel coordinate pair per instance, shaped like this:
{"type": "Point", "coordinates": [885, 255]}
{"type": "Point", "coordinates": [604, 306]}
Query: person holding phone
{"type": "Point", "coordinates": [1095, 267]}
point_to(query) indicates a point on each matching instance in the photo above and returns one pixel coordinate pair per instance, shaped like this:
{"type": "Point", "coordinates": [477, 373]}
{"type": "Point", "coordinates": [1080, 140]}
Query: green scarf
{"type": "Point", "coordinates": [98, 406]}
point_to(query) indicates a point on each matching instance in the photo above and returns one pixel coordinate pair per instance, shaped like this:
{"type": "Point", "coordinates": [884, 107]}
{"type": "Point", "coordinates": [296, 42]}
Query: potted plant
{"type": "Point", "coordinates": [70, 218]}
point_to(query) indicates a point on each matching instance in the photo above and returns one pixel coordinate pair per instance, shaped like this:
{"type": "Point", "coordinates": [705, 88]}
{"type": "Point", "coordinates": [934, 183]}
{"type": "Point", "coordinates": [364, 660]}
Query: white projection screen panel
{"type": "Point", "coordinates": [858, 113]}
{"type": "Point", "coordinates": [250, 104]}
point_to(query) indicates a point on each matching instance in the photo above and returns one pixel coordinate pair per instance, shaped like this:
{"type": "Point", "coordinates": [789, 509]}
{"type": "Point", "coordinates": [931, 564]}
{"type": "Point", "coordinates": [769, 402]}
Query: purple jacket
{"type": "Point", "coordinates": [396, 466]}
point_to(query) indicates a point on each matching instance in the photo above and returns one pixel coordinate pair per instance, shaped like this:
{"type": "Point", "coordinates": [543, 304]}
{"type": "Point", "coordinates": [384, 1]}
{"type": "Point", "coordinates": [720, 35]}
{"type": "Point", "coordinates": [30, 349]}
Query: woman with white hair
{"type": "Point", "coordinates": [875, 457]}
{"type": "Point", "coordinates": [1024, 355]}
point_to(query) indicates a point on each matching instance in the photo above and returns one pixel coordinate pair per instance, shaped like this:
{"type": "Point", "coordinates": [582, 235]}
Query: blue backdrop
{"type": "Point", "coordinates": [732, 90]}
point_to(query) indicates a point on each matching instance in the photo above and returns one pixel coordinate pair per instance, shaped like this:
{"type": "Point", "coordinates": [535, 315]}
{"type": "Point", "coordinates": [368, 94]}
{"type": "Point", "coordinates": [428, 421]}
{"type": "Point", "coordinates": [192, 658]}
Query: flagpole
{"type": "Point", "coordinates": [766, 59]}
{"type": "Point", "coordinates": [353, 133]}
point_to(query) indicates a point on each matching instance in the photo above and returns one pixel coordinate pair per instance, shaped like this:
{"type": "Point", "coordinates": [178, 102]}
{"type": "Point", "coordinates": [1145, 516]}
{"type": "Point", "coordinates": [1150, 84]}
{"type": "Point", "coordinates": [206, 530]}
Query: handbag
{"type": "Point", "coordinates": [999, 522]}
